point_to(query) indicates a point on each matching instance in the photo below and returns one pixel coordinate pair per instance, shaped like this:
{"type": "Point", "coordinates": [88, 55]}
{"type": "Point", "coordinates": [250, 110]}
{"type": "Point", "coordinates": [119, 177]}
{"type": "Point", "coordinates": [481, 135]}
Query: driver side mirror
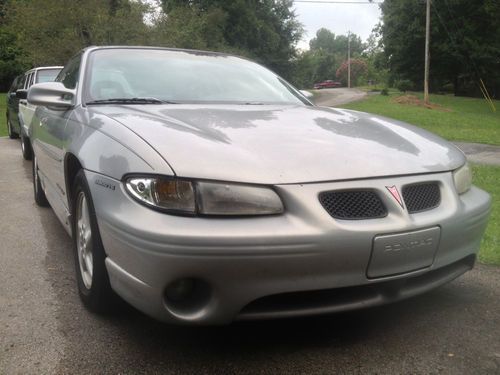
{"type": "Point", "coordinates": [21, 94]}
{"type": "Point", "coordinates": [51, 94]}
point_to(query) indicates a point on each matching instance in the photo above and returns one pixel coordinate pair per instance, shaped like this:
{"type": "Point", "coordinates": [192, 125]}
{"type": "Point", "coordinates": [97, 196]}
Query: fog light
{"type": "Point", "coordinates": [187, 298]}
{"type": "Point", "coordinates": [180, 290]}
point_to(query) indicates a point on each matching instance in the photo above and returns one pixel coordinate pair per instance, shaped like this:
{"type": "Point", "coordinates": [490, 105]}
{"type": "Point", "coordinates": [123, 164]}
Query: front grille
{"type": "Point", "coordinates": [421, 197]}
{"type": "Point", "coordinates": [353, 204]}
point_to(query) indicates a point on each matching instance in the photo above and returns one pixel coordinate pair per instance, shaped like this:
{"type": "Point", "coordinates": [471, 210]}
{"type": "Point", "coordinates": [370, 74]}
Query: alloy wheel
{"type": "Point", "coordinates": [84, 240]}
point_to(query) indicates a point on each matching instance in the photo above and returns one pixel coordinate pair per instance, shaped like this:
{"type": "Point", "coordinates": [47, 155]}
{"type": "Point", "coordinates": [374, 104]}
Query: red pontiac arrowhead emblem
{"type": "Point", "coordinates": [395, 193]}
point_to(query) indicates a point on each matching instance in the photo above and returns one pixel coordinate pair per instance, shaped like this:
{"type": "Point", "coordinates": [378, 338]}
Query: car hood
{"type": "Point", "coordinates": [283, 144]}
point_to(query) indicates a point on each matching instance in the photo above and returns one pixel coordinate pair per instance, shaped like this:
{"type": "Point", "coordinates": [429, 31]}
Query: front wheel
{"type": "Point", "coordinates": [12, 134]}
{"type": "Point", "coordinates": [92, 277]}
{"type": "Point", "coordinates": [40, 198]}
{"type": "Point", "coordinates": [26, 147]}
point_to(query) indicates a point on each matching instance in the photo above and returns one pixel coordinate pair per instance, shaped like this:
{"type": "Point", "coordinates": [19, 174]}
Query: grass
{"type": "Point", "coordinates": [469, 119]}
{"type": "Point", "coordinates": [3, 120]}
{"type": "Point", "coordinates": [487, 178]}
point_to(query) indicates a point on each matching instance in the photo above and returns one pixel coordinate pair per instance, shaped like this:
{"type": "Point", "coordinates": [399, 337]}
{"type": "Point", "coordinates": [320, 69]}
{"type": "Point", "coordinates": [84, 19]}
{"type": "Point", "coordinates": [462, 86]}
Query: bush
{"type": "Point", "coordinates": [384, 91]}
{"type": "Point", "coordinates": [403, 85]}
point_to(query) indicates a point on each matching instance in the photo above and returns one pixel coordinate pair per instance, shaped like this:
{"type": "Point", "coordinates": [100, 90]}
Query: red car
{"type": "Point", "coordinates": [328, 84]}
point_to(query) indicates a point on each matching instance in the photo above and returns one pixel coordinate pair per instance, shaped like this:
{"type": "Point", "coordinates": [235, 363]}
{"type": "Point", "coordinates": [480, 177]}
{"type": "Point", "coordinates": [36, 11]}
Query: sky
{"type": "Point", "coordinates": [338, 18]}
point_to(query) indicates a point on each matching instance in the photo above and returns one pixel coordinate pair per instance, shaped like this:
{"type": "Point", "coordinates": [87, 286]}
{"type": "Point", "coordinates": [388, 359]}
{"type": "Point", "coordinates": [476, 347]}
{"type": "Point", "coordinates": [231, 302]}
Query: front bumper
{"type": "Point", "coordinates": [244, 262]}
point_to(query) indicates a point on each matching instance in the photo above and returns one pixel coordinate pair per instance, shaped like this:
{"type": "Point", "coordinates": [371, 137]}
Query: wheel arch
{"type": "Point", "coordinates": [71, 167]}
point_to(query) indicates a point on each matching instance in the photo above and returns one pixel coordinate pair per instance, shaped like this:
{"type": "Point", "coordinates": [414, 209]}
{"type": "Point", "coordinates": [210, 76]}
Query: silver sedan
{"type": "Point", "coordinates": [202, 188]}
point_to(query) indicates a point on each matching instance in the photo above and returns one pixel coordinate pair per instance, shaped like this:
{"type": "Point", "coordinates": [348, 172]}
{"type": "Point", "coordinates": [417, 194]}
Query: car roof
{"type": "Point", "coordinates": [43, 68]}
{"type": "Point", "coordinates": [192, 51]}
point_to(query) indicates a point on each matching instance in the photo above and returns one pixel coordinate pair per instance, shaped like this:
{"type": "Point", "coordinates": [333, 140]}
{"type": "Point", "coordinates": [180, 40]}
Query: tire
{"type": "Point", "coordinates": [12, 134]}
{"type": "Point", "coordinates": [92, 276]}
{"type": "Point", "coordinates": [39, 194]}
{"type": "Point", "coordinates": [26, 147]}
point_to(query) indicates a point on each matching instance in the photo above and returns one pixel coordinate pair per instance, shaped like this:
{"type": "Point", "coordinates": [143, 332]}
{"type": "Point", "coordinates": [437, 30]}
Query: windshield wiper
{"type": "Point", "coordinates": [131, 101]}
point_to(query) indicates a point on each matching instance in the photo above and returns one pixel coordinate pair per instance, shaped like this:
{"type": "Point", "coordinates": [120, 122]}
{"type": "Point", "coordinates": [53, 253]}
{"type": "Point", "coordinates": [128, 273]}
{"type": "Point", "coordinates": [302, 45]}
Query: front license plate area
{"type": "Point", "coordinates": [394, 254]}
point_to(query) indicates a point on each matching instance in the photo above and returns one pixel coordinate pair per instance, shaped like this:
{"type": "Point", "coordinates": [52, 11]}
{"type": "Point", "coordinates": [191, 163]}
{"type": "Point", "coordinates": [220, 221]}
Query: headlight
{"type": "Point", "coordinates": [204, 198]}
{"type": "Point", "coordinates": [167, 194]}
{"type": "Point", "coordinates": [229, 199]}
{"type": "Point", "coordinates": [463, 178]}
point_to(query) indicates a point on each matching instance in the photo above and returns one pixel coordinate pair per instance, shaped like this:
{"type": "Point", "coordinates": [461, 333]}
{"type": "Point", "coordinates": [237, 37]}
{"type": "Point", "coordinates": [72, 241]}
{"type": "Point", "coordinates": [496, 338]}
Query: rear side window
{"type": "Point", "coordinates": [70, 73]}
{"type": "Point", "coordinates": [31, 78]}
{"type": "Point", "coordinates": [47, 75]}
{"type": "Point", "coordinates": [13, 87]}
{"type": "Point", "coordinates": [27, 81]}
{"type": "Point", "coordinates": [22, 81]}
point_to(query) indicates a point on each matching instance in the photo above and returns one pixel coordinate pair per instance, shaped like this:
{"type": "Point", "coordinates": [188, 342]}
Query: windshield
{"type": "Point", "coordinates": [183, 77]}
{"type": "Point", "coordinates": [47, 75]}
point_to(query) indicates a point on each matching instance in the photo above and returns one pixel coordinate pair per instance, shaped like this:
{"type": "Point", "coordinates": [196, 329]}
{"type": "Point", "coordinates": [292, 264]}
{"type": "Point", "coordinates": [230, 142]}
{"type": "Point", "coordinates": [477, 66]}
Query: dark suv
{"type": "Point", "coordinates": [13, 126]}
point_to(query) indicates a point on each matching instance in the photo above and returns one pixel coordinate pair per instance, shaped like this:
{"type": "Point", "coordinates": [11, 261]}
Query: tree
{"type": "Point", "coordinates": [328, 42]}
{"type": "Point", "coordinates": [265, 30]}
{"type": "Point", "coordinates": [323, 58]}
{"type": "Point", "coordinates": [12, 59]}
{"type": "Point", "coordinates": [464, 42]}
{"type": "Point", "coordinates": [376, 62]}
{"type": "Point", "coordinates": [51, 31]}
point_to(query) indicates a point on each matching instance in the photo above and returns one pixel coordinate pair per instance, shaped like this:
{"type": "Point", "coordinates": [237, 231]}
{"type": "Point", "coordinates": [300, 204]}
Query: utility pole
{"type": "Point", "coordinates": [349, 59]}
{"type": "Point", "coordinates": [427, 57]}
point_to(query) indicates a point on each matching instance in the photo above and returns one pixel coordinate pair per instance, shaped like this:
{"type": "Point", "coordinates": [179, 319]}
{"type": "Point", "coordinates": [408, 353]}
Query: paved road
{"type": "Point", "coordinates": [338, 96]}
{"type": "Point", "coordinates": [45, 329]}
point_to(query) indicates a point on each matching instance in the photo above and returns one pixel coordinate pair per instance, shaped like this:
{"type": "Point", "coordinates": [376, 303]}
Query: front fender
{"type": "Point", "coordinates": [105, 146]}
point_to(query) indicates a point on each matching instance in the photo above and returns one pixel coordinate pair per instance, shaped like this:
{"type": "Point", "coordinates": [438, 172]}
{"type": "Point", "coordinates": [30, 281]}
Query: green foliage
{"type": "Point", "coordinates": [464, 43]}
{"type": "Point", "coordinates": [468, 119]}
{"type": "Point", "coordinates": [321, 62]}
{"type": "Point", "coordinates": [49, 32]}
{"type": "Point", "coordinates": [328, 42]}
{"type": "Point", "coordinates": [487, 177]}
{"type": "Point", "coordinates": [265, 30]}
{"type": "Point", "coordinates": [11, 59]}
{"type": "Point", "coordinates": [189, 27]}
{"type": "Point", "coordinates": [403, 85]}
{"type": "Point", "coordinates": [384, 91]}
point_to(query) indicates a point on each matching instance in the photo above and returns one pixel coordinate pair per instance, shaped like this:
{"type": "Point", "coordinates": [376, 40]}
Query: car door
{"type": "Point", "coordinates": [12, 100]}
{"type": "Point", "coordinates": [23, 103]}
{"type": "Point", "coordinates": [49, 126]}
{"type": "Point", "coordinates": [14, 115]}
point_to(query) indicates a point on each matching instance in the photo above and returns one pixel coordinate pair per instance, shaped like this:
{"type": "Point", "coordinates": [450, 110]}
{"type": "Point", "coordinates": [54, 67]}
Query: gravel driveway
{"type": "Point", "coordinates": [45, 329]}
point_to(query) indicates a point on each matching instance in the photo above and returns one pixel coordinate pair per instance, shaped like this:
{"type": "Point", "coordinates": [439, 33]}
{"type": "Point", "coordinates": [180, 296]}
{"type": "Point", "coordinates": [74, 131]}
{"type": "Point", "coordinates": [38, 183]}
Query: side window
{"type": "Point", "coordinates": [21, 82]}
{"type": "Point", "coordinates": [69, 75]}
{"type": "Point", "coordinates": [30, 81]}
{"type": "Point", "coordinates": [27, 80]}
{"type": "Point", "coordinates": [13, 87]}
